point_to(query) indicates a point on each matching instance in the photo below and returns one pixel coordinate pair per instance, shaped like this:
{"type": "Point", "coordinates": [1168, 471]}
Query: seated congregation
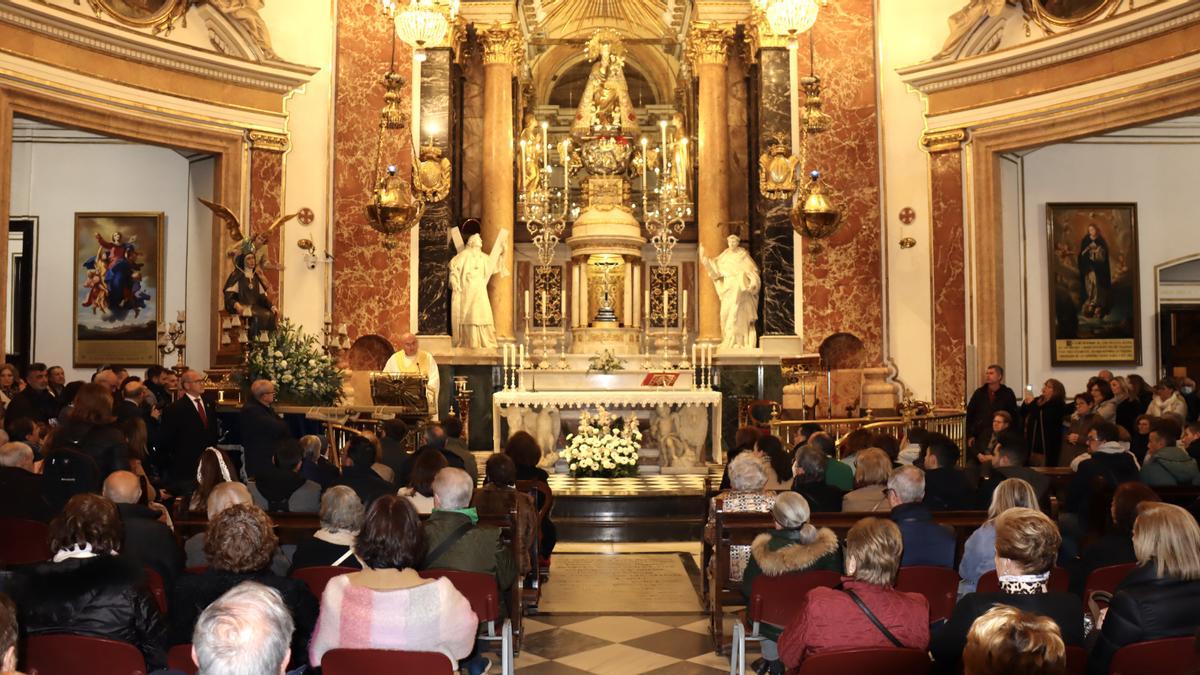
{"type": "Point", "coordinates": [186, 558]}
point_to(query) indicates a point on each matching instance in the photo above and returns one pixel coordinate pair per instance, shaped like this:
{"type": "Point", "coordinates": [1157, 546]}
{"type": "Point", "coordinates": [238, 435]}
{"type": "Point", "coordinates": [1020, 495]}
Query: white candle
{"type": "Point", "coordinates": [662, 125]}
{"type": "Point", "coordinates": [546, 145]}
{"type": "Point", "coordinates": [646, 308]}
{"type": "Point", "coordinates": [545, 307]}
{"type": "Point", "coordinates": [666, 307]}
{"type": "Point", "coordinates": [562, 308]}
{"type": "Point", "coordinates": [645, 165]}
{"type": "Point", "coordinates": [181, 316]}
{"type": "Point", "coordinates": [683, 307]}
{"type": "Point", "coordinates": [528, 308]}
{"type": "Point", "coordinates": [504, 360]}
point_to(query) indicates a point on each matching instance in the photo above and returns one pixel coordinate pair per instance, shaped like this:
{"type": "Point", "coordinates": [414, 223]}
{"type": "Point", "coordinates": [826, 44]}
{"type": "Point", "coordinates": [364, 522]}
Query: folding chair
{"type": "Point", "coordinates": [775, 601]}
{"type": "Point", "coordinates": [1170, 656]}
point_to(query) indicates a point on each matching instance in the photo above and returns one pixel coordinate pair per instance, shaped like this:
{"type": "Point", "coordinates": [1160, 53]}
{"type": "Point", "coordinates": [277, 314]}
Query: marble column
{"type": "Point", "coordinates": [501, 51]}
{"type": "Point", "coordinates": [707, 47]}
{"type": "Point", "coordinates": [771, 227]}
{"type": "Point", "coordinates": [949, 274]}
{"type": "Point", "coordinates": [433, 248]}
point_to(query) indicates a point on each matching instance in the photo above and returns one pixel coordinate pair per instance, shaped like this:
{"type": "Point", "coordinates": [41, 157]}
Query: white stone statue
{"type": "Point", "coordinates": [470, 309]}
{"type": "Point", "coordinates": [680, 435]}
{"type": "Point", "coordinates": [737, 280]}
{"type": "Point", "coordinates": [546, 428]}
{"type": "Point", "coordinates": [519, 418]}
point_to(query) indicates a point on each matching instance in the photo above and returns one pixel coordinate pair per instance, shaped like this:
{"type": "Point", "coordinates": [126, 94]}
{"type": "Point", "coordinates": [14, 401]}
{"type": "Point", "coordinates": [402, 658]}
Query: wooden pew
{"type": "Point", "coordinates": [740, 528]}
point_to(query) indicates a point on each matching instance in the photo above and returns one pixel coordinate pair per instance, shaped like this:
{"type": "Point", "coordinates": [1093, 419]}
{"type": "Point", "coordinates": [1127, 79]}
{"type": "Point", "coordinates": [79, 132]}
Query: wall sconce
{"type": "Point", "coordinates": [907, 216]}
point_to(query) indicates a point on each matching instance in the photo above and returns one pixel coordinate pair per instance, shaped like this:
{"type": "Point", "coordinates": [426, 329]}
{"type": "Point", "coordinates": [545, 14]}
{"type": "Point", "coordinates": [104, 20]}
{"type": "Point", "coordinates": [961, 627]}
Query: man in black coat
{"type": "Point", "coordinates": [21, 494]}
{"type": "Point", "coordinates": [147, 541]}
{"type": "Point", "coordinates": [189, 425]}
{"type": "Point", "coordinates": [34, 401]}
{"type": "Point", "coordinates": [1109, 465]}
{"type": "Point", "coordinates": [261, 429]}
{"type": "Point", "coordinates": [990, 398]}
{"type": "Point", "coordinates": [391, 443]}
{"type": "Point", "coordinates": [810, 481]}
{"type": "Point", "coordinates": [154, 382]}
{"type": "Point", "coordinates": [359, 476]}
{"type": "Point", "coordinates": [1009, 462]}
{"type": "Point", "coordinates": [946, 486]}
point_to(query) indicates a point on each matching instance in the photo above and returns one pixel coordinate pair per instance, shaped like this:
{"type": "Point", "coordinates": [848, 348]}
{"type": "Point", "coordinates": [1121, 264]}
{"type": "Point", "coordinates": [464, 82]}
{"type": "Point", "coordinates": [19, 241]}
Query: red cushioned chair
{"type": "Point", "coordinates": [179, 658]}
{"type": "Point", "coordinates": [1106, 578]}
{"type": "Point", "coordinates": [1170, 656]}
{"type": "Point", "coordinates": [316, 578]}
{"type": "Point", "coordinates": [1076, 660]}
{"type": "Point", "coordinates": [775, 601]}
{"type": "Point", "coordinates": [24, 542]}
{"type": "Point", "coordinates": [939, 585]}
{"type": "Point", "coordinates": [482, 592]}
{"type": "Point", "coordinates": [75, 654]}
{"type": "Point", "coordinates": [385, 662]}
{"type": "Point", "coordinates": [158, 590]}
{"type": "Point", "coordinates": [1060, 582]}
{"type": "Point", "coordinates": [873, 661]}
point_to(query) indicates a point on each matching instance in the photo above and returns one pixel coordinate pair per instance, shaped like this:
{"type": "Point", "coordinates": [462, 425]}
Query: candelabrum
{"type": "Point", "coordinates": [667, 206]}
{"type": "Point", "coordinates": [172, 339]}
{"type": "Point", "coordinates": [666, 338]}
{"type": "Point", "coordinates": [512, 365]}
{"type": "Point", "coordinates": [542, 207]}
{"type": "Point", "coordinates": [462, 397]}
{"type": "Point", "coordinates": [334, 338]}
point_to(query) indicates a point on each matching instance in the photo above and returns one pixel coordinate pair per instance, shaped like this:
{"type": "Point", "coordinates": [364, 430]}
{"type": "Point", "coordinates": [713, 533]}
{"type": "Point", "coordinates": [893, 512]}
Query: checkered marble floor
{"type": "Point", "coordinates": [673, 644]}
{"type": "Point", "coordinates": [649, 485]}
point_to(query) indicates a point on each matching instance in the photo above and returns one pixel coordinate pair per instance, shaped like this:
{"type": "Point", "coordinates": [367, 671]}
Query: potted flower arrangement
{"type": "Point", "coordinates": [597, 450]}
{"type": "Point", "coordinates": [302, 372]}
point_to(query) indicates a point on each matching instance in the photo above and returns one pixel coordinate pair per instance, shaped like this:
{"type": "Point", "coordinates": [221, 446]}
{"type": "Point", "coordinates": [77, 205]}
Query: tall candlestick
{"type": "Point", "coordinates": [528, 308]}
{"type": "Point", "coordinates": [665, 312]}
{"type": "Point", "coordinates": [546, 145]}
{"type": "Point", "coordinates": [545, 307]}
{"type": "Point", "coordinates": [683, 308]}
{"type": "Point", "coordinates": [662, 125]}
{"type": "Point", "coordinates": [645, 165]}
{"type": "Point", "coordinates": [562, 309]}
{"type": "Point", "coordinates": [646, 308]}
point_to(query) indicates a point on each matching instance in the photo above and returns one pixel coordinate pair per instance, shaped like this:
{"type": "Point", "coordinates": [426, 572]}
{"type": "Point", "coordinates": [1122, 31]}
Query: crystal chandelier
{"type": "Point", "coordinates": [421, 22]}
{"type": "Point", "coordinates": [791, 17]}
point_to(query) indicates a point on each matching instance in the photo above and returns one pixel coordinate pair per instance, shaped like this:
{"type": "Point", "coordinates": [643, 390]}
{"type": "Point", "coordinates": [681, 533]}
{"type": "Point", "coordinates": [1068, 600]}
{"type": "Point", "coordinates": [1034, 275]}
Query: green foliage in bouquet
{"type": "Point", "coordinates": [302, 372]}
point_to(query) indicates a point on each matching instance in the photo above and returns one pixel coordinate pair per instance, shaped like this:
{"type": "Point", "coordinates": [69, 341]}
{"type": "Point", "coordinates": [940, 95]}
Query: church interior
{"type": "Point", "coordinates": [822, 335]}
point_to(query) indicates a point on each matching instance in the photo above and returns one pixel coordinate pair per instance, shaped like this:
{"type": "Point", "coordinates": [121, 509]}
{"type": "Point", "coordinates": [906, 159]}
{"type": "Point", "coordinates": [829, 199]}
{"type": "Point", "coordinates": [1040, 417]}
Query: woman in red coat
{"type": "Point", "coordinates": [830, 619]}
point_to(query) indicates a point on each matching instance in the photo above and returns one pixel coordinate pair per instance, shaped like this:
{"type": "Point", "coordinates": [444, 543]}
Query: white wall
{"type": "Point", "coordinates": [53, 181]}
{"type": "Point", "coordinates": [907, 33]}
{"type": "Point", "coordinates": [1159, 177]}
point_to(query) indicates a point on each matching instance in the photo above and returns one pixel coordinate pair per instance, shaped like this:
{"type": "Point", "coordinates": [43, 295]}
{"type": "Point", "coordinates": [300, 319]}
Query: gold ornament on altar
{"type": "Point", "coordinates": [777, 170]}
{"type": "Point", "coordinates": [815, 216]}
{"type": "Point", "coordinates": [434, 174]}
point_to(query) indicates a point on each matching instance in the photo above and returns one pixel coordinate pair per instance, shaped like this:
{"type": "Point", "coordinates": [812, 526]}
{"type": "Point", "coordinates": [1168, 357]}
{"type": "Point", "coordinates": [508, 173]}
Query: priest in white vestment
{"type": "Point", "coordinates": [414, 361]}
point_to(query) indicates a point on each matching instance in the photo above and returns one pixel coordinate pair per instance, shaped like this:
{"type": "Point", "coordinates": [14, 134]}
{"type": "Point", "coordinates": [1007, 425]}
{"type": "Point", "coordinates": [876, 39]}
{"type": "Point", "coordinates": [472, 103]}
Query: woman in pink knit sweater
{"type": "Point", "coordinates": [387, 605]}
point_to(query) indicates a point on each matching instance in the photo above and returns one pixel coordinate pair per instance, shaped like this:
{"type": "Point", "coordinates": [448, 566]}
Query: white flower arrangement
{"type": "Point", "coordinates": [597, 450]}
{"type": "Point", "coordinates": [294, 361]}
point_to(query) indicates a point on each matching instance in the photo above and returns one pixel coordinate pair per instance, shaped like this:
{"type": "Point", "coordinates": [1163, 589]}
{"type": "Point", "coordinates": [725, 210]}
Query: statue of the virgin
{"type": "Point", "coordinates": [605, 107]}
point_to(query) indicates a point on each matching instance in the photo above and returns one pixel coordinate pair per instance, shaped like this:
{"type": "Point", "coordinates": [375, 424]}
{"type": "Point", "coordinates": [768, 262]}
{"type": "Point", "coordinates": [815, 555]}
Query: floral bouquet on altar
{"type": "Point", "coordinates": [303, 374]}
{"type": "Point", "coordinates": [597, 450]}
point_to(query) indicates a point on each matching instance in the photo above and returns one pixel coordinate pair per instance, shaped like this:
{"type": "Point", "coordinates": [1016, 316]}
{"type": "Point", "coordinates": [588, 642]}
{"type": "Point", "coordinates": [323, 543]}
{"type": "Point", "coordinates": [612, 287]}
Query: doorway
{"type": "Point", "coordinates": [22, 258]}
{"type": "Point", "coordinates": [1179, 337]}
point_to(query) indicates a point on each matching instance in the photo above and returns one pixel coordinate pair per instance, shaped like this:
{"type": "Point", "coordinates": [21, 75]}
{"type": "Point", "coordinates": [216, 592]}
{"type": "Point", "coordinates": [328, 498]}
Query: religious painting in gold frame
{"type": "Point", "coordinates": [118, 286]}
{"type": "Point", "coordinates": [1095, 311]}
{"type": "Point", "coordinates": [157, 15]}
{"type": "Point", "coordinates": [1068, 13]}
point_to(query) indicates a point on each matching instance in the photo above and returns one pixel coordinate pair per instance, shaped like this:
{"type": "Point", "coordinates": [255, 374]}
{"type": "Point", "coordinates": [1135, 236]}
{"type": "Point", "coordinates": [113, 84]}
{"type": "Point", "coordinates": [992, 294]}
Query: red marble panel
{"type": "Point", "coordinates": [843, 289]}
{"type": "Point", "coordinates": [370, 279]}
{"type": "Point", "coordinates": [949, 280]}
{"type": "Point", "coordinates": [266, 204]}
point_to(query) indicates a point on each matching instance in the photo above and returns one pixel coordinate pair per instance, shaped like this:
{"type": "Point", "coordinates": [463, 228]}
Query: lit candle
{"type": "Point", "coordinates": [528, 308]}
{"type": "Point", "coordinates": [683, 308]}
{"type": "Point", "coordinates": [646, 305]}
{"type": "Point", "coordinates": [562, 308]}
{"type": "Point", "coordinates": [666, 307]}
{"type": "Point", "coordinates": [546, 145]}
{"type": "Point", "coordinates": [645, 165]}
{"type": "Point", "coordinates": [662, 125]}
{"type": "Point", "coordinates": [545, 307]}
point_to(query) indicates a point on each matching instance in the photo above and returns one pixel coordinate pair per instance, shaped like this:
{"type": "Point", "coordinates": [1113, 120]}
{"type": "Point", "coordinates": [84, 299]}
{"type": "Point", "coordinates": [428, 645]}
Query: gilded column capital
{"type": "Point", "coordinates": [502, 44]}
{"type": "Point", "coordinates": [944, 140]}
{"type": "Point", "coordinates": [708, 43]}
{"type": "Point", "coordinates": [759, 35]}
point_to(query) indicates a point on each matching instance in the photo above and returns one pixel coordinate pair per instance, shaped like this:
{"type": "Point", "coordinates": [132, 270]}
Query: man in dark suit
{"type": "Point", "coordinates": [147, 541]}
{"type": "Point", "coordinates": [1009, 462]}
{"type": "Point", "coordinates": [189, 426]}
{"type": "Point", "coordinates": [261, 428]}
{"type": "Point", "coordinates": [154, 382]}
{"type": "Point", "coordinates": [34, 401]}
{"type": "Point", "coordinates": [990, 398]}
{"type": "Point", "coordinates": [21, 494]}
{"type": "Point", "coordinates": [358, 474]}
{"type": "Point", "coordinates": [391, 443]}
{"type": "Point", "coordinates": [946, 486]}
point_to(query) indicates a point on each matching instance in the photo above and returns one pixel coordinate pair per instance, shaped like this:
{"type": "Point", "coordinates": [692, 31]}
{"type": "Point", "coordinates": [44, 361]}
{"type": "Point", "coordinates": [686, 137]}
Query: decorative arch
{"type": "Point", "coordinates": [656, 66]}
{"type": "Point", "coordinates": [370, 352]}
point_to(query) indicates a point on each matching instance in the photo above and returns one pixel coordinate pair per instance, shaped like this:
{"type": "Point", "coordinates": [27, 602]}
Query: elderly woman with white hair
{"type": "Point", "coordinates": [747, 478]}
{"type": "Point", "coordinates": [333, 545]}
{"type": "Point", "coordinates": [794, 546]}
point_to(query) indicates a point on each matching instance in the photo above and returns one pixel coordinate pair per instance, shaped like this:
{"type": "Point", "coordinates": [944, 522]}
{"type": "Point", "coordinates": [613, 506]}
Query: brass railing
{"type": "Point", "coordinates": [952, 423]}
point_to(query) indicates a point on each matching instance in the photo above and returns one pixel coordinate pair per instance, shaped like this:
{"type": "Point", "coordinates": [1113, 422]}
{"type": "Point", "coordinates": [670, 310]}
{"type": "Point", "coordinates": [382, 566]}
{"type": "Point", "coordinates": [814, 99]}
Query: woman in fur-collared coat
{"type": "Point", "coordinates": [794, 546]}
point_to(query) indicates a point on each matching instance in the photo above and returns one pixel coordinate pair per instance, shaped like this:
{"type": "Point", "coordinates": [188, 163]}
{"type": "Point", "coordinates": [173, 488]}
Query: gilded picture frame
{"type": "Point", "coordinates": [117, 288]}
{"type": "Point", "coordinates": [1093, 272]}
{"type": "Point", "coordinates": [1070, 13]}
{"type": "Point", "coordinates": [157, 15]}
